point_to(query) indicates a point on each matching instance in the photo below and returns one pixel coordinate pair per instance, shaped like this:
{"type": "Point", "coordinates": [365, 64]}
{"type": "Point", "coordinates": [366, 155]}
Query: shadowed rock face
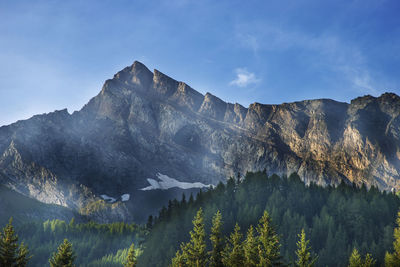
{"type": "Point", "coordinates": [142, 123]}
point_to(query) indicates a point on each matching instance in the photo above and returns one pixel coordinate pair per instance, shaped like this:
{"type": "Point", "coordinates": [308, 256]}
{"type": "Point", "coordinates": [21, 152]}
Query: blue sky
{"type": "Point", "coordinates": [57, 54]}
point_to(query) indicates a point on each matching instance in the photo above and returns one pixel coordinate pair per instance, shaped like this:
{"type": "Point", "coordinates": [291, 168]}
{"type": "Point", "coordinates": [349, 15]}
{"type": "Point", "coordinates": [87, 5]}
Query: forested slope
{"type": "Point", "coordinates": [94, 244]}
{"type": "Point", "coordinates": [335, 219]}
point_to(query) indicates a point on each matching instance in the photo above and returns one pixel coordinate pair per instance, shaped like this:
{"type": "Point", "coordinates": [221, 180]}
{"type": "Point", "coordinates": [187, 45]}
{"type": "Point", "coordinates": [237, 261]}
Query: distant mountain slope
{"type": "Point", "coordinates": [143, 123]}
{"type": "Point", "coordinates": [23, 209]}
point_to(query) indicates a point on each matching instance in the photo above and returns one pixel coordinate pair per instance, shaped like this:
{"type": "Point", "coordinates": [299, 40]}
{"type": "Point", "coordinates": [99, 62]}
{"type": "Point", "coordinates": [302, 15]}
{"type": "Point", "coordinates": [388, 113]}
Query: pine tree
{"type": "Point", "coordinates": [23, 258]}
{"type": "Point", "coordinates": [131, 259]}
{"type": "Point", "coordinates": [268, 248]}
{"type": "Point", "coordinates": [178, 260]}
{"type": "Point", "coordinates": [303, 252]}
{"type": "Point", "coordinates": [11, 254]}
{"type": "Point", "coordinates": [357, 261]}
{"type": "Point", "coordinates": [64, 257]}
{"type": "Point", "coordinates": [369, 261]}
{"type": "Point", "coordinates": [234, 253]}
{"type": "Point", "coordinates": [217, 241]}
{"type": "Point", "coordinates": [393, 259]}
{"type": "Point", "coordinates": [250, 249]}
{"type": "Point", "coordinates": [194, 252]}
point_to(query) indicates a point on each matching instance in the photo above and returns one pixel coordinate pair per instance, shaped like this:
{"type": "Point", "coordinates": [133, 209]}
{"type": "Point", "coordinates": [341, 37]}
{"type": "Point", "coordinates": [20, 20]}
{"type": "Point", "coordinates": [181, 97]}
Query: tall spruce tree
{"type": "Point", "coordinates": [194, 252]}
{"type": "Point", "coordinates": [234, 253]}
{"type": "Point", "coordinates": [356, 260]}
{"type": "Point", "coordinates": [393, 259]}
{"type": "Point", "coordinates": [217, 241]}
{"type": "Point", "coordinates": [131, 258]}
{"type": "Point", "coordinates": [64, 257]}
{"type": "Point", "coordinates": [268, 248]}
{"type": "Point", "coordinates": [12, 254]}
{"type": "Point", "coordinates": [23, 258]}
{"type": "Point", "coordinates": [303, 252]}
{"type": "Point", "coordinates": [251, 249]}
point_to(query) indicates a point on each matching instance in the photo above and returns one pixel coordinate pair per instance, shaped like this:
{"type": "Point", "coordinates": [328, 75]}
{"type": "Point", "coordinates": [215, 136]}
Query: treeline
{"type": "Point", "coordinates": [13, 254]}
{"type": "Point", "coordinates": [335, 220]}
{"type": "Point", "coordinates": [259, 248]}
{"type": "Point", "coordinates": [94, 244]}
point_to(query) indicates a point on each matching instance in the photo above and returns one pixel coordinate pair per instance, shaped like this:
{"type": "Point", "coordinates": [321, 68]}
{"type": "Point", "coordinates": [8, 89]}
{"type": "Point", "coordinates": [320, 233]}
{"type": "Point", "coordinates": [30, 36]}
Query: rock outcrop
{"type": "Point", "coordinates": [143, 123]}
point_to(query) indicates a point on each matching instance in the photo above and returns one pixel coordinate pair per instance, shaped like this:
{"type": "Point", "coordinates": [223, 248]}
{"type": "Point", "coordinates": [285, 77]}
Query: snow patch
{"type": "Point", "coordinates": [166, 182]}
{"type": "Point", "coordinates": [125, 197]}
{"type": "Point", "coordinates": [108, 198]}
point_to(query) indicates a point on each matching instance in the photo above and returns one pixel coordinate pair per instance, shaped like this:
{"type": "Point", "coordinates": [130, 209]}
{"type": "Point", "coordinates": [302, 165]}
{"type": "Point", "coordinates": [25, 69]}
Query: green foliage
{"type": "Point", "coordinates": [369, 261]}
{"type": "Point", "coordinates": [233, 252]}
{"type": "Point", "coordinates": [117, 259]}
{"type": "Point", "coordinates": [194, 252]}
{"type": "Point", "coordinates": [260, 250]}
{"type": "Point", "coordinates": [64, 257]}
{"type": "Point", "coordinates": [217, 241]}
{"type": "Point", "coordinates": [357, 261]}
{"type": "Point", "coordinates": [178, 260]}
{"type": "Point", "coordinates": [93, 207]}
{"type": "Point", "coordinates": [393, 259]}
{"type": "Point", "coordinates": [338, 218]}
{"type": "Point", "coordinates": [250, 247]}
{"type": "Point", "coordinates": [131, 258]}
{"type": "Point", "coordinates": [12, 254]}
{"type": "Point", "coordinates": [303, 252]}
{"type": "Point", "coordinates": [23, 255]}
{"type": "Point", "coordinates": [268, 247]}
{"type": "Point", "coordinates": [95, 244]}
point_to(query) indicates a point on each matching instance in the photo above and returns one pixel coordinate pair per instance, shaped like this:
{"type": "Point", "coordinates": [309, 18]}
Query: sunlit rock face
{"type": "Point", "coordinates": [143, 123]}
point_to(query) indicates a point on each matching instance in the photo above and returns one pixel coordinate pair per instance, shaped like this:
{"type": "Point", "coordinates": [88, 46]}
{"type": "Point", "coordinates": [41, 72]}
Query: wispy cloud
{"type": "Point", "coordinates": [244, 78]}
{"type": "Point", "coordinates": [249, 41]}
{"type": "Point", "coordinates": [326, 52]}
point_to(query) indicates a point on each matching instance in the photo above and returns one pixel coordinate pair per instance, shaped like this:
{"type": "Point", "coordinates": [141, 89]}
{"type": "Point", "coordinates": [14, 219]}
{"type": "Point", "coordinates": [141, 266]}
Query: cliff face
{"type": "Point", "coordinates": [142, 123]}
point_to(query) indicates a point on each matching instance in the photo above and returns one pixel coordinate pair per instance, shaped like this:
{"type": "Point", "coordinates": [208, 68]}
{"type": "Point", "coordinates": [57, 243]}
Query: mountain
{"type": "Point", "coordinates": [23, 209]}
{"type": "Point", "coordinates": [143, 125]}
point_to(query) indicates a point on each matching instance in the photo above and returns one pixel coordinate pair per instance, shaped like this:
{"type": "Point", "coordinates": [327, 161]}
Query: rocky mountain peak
{"type": "Point", "coordinates": [213, 107]}
{"type": "Point", "coordinates": [186, 96]}
{"type": "Point", "coordinates": [137, 76]}
{"type": "Point", "coordinates": [163, 84]}
{"type": "Point", "coordinates": [143, 123]}
{"type": "Point", "coordinates": [388, 103]}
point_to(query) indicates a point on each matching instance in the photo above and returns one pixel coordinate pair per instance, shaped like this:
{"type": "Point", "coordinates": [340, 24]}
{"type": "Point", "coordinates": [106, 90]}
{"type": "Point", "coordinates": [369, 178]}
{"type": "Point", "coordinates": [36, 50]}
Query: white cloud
{"type": "Point", "coordinates": [244, 78]}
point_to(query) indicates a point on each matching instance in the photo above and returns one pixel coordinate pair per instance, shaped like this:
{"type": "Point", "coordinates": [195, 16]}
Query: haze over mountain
{"type": "Point", "coordinates": [145, 123]}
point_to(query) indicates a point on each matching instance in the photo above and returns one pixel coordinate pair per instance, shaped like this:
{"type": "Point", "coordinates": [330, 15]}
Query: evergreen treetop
{"type": "Point", "coordinates": [12, 254]}
{"type": "Point", "coordinates": [250, 248]}
{"type": "Point", "coordinates": [234, 253]}
{"type": "Point", "coordinates": [131, 259]}
{"type": "Point", "coordinates": [303, 252]}
{"type": "Point", "coordinates": [217, 241]}
{"type": "Point", "coordinates": [64, 257]}
{"type": "Point", "coordinates": [268, 248]}
{"type": "Point", "coordinates": [393, 259]}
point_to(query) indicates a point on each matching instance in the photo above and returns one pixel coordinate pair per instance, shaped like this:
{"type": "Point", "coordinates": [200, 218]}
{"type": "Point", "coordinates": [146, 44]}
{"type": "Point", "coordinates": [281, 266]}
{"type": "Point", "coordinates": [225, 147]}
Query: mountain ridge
{"type": "Point", "coordinates": [142, 123]}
